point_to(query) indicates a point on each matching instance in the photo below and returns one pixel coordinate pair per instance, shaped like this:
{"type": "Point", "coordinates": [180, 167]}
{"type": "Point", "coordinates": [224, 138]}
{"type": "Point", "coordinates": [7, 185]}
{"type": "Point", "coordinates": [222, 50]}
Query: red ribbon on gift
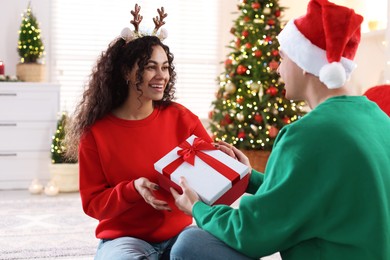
{"type": "Point", "coordinates": [188, 153]}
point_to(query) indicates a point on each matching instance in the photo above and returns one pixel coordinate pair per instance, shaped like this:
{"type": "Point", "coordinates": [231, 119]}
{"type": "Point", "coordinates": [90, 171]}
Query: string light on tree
{"type": "Point", "coordinates": [250, 108]}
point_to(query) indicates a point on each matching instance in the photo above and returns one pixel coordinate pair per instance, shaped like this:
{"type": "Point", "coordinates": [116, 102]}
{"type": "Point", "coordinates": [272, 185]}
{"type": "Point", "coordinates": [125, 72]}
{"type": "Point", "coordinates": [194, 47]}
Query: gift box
{"type": "Point", "coordinates": [215, 176]}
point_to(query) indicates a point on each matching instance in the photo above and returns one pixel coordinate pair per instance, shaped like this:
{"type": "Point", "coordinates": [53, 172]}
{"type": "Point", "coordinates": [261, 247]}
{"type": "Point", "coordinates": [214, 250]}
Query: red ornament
{"type": "Point", "coordinates": [238, 42]}
{"type": "Point", "coordinates": [247, 19]}
{"type": "Point", "coordinates": [211, 113]}
{"type": "Point", "coordinates": [268, 39]}
{"type": "Point", "coordinates": [258, 118]}
{"type": "Point", "coordinates": [273, 132]}
{"type": "Point", "coordinates": [275, 53]}
{"type": "Point", "coordinates": [272, 91]}
{"type": "Point", "coordinates": [241, 135]}
{"type": "Point", "coordinates": [245, 33]}
{"type": "Point", "coordinates": [273, 65]}
{"type": "Point", "coordinates": [271, 22]}
{"type": "Point", "coordinates": [277, 13]}
{"type": "Point", "coordinates": [258, 53]}
{"type": "Point", "coordinates": [284, 92]}
{"type": "Point", "coordinates": [241, 69]}
{"type": "Point", "coordinates": [256, 6]}
{"type": "Point", "coordinates": [228, 62]}
{"type": "Point", "coordinates": [248, 45]}
{"type": "Point", "coordinates": [286, 120]}
{"type": "Point", "coordinates": [240, 100]}
{"type": "Point", "coordinates": [226, 120]}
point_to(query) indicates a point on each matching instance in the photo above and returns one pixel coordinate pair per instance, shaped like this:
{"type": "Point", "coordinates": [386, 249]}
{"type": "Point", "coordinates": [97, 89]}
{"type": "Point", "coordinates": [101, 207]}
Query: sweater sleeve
{"type": "Point", "coordinates": [99, 200]}
{"type": "Point", "coordinates": [255, 181]}
{"type": "Point", "coordinates": [265, 223]}
{"type": "Point", "coordinates": [201, 132]}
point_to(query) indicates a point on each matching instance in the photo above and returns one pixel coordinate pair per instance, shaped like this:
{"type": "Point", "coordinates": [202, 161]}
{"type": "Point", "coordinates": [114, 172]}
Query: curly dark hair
{"type": "Point", "coordinates": [107, 88]}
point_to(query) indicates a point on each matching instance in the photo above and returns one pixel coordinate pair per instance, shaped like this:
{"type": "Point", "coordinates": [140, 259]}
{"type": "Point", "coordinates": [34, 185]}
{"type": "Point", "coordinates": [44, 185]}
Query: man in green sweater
{"type": "Point", "coordinates": [325, 193]}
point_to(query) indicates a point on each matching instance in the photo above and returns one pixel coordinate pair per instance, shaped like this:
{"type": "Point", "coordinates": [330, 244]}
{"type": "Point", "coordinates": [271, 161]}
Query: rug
{"type": "Point", "coordinates": [40, 227]}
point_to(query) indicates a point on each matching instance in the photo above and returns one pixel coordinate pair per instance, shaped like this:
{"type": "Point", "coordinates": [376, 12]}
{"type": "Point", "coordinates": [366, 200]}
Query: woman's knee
{"type": "Point", "coordinates": [125, 248]}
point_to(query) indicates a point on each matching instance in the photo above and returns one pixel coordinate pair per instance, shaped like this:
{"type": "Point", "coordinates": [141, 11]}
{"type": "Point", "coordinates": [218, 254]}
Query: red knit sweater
{"type": "Point", "coordinates": [115, 153]}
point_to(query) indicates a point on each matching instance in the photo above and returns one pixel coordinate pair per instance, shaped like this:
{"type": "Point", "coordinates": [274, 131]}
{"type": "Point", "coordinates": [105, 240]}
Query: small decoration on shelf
{"type": "Point", "coordinates": [35, 187]}
{"type": "Point", "coordinates": [7, 78]}
{"type": "Point", "coordinates": [2, 69]}
{"type": "Point", "coordinates": [30, 49]}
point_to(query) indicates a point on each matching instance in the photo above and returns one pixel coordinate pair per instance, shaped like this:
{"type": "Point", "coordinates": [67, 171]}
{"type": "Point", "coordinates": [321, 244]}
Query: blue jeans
{"type": "Point", "coordinates": [126, 248]}
{"type": "Point", "coordinates": [196, 244]}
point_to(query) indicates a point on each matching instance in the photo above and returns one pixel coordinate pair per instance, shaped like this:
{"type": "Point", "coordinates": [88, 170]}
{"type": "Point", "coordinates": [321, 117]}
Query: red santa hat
{"type": "Point", "coordinates": [324, 41]}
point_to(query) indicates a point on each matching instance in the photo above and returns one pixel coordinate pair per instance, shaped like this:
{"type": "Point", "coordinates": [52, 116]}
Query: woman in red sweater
{"type": "Point", "coordinates": [125, 122]}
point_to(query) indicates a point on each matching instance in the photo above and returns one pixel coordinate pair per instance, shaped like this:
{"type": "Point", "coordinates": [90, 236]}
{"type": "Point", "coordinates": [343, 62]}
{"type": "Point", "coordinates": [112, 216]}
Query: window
{"type": "Point", "coordinates": [81, 30]}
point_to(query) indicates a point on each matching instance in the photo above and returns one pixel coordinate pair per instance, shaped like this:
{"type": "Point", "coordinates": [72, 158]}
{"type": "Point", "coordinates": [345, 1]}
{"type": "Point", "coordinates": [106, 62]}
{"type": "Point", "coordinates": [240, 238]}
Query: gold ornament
{"type": "Point", "coordinates": [254, 128]}
{"type": "Point", "coordinates": [267, 10]}
{"type": "Point", "coordinates": [230, 88]}
{"type": "Point", "coordinates": [254, 86]}
{"type": "Point", "coordinates": [240, 117]}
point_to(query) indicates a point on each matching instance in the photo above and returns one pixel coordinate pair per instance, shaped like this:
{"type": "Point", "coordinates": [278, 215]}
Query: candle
{"type": "Point", "coordinates": [35, 187]}
{"type": "Point", "coordinates": [51, 189]}
{"type": "Point", "coordinates": [1, 67]}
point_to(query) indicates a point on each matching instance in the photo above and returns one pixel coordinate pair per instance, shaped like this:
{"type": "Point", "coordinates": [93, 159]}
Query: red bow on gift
{"type": "Point", "coordinates": [188, 151]}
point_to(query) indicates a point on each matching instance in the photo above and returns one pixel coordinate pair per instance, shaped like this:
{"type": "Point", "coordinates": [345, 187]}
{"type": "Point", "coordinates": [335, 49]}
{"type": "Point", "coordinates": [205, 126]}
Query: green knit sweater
{"type": "Point", "coordinates": [325, 193]}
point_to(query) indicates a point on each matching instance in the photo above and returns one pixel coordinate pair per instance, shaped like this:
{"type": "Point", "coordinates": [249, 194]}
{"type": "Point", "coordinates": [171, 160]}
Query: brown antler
{"type": "Point", "coordinates": [158, 21]}
{"type": "Point", "coordinates": [137, 18]}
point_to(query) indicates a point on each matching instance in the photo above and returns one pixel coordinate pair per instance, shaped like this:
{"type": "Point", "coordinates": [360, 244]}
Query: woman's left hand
{"type": "Point", "coordinates": [185, 201]}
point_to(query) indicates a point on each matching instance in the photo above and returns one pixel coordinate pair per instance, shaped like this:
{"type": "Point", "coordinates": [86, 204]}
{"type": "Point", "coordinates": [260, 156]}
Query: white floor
{"type": "Point", "coordinates": [24, 194]}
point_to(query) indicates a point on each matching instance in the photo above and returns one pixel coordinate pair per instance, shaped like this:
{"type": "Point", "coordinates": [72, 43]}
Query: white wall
{"type": "Point", "coordinates": [370, 57]}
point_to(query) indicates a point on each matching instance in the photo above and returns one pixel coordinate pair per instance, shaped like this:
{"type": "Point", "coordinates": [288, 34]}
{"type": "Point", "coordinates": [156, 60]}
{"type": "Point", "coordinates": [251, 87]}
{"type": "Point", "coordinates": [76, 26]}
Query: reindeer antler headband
{"type": "Point", "coordinates": [129, 35]}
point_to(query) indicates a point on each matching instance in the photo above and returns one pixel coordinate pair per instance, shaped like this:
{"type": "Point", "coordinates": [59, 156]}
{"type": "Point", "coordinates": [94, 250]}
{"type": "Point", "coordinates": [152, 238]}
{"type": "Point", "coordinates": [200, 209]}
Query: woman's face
{"type": "Point", "coordinates": [155, 76]}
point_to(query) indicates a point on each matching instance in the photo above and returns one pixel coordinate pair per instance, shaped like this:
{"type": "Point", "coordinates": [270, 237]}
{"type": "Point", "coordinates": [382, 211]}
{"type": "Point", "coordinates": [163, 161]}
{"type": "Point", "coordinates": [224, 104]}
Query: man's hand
{"type": "Point", "coordinates": [234, 152]}
{"type": "Point", "coordinates": [185, 201]}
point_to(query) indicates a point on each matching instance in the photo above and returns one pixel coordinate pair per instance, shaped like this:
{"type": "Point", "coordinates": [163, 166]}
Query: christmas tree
{"type": "Point", "coordinates": [58, 147]}
{"type": "Point", "coordinates": [30, 46]}
{"type": "Point", "coordinates": [250, 107]}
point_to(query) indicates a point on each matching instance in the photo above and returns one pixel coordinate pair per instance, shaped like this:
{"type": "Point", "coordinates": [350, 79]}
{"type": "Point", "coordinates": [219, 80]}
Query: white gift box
{"type": "Point", "coordinates": [212, 186]}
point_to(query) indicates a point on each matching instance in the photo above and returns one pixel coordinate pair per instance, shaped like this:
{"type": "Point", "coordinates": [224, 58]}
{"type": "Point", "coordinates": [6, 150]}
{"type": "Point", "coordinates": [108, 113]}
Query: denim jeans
{"type": "Point", "coordinates": [196, 244]}
{"type": "Point", "coordinates": [126, 248]}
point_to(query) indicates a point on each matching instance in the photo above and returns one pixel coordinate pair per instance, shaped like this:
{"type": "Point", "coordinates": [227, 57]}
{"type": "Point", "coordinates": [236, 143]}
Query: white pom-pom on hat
{"type": "Point", "coordinates": [333, 75]}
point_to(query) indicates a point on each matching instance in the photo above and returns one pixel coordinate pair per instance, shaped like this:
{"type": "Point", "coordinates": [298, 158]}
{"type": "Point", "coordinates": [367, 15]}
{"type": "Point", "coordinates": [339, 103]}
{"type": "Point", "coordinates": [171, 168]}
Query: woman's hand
{"type": "Point", "coordinates": [185, 201]}
{"type": "Point", "coordinates": [146, 189]}
{"type": "Point", "coordinates": [234, 152]}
